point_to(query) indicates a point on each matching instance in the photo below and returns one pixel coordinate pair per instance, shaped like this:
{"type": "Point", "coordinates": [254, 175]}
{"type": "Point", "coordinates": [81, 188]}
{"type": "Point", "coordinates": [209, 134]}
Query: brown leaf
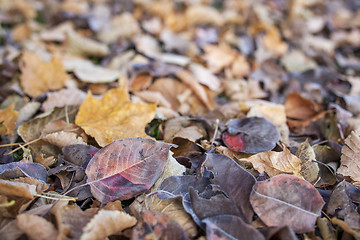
{"type": "Point", "coordinates": [114, 116]}
{"type": "Point", "coordinates": [71, 96]}
{"type": "Point", "coordinates": [274, 163]}
{"type": "Point", "coordinates": [218, 57]}
{"type": "Point", "coordinates": [272, 41]}
{"type": "Point", "coordinates": [287, 200]}
{"type": "Point", "coordinates": [182, 128]}
{"type": "Point", "coordinates": [350, 158]}
{"type": "Point", "coordinates": [309, 169]}
{"type": "Point", "coordinates": [106, 223]}
{"type": "Point", "coordinates": [82, 46]}
{"type": "Point", "coordinates": [8, 119]}
{"type": "Point", "coordinates": [39, 77]}
{"type": "Point", "coordinates": [36, 227]}
{"type": "Point", "coordinates": [125, 168]}
{"type": "Point", "coordinates": [201, 14]}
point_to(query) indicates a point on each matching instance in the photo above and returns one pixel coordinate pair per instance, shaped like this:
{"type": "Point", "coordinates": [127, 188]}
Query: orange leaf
{"type": "Point", "coordinates": [114, 116]}
{"type": "Point", "coordinates": [39, 77]}
{"type": "Point", "coordinates": [8, 119]}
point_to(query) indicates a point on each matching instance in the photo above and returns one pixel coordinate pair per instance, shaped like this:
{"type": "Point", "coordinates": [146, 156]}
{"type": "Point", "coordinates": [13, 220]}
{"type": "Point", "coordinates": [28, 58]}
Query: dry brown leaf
{"type": "Point", "coordinates": [350, 166]}
{"type": "Point", "coordinates": [115, 30]}
{"type": "Point", "coordinates": [309, 169]}
{"type": "Point", "coordinates": [21, 32]}
{"type": "Point", "coordinates": [82, 46]}
{"type": "Point", "coordinates": [182, 128]}
{"type": "Point", "coordinates": [240, 67]}
{"type": "Point", "coordinates": [272, 42]}
{"type": "Point", "coordinates": [91, 73]}
{"type": "Point", "coordinates": [63, 139]}
{"type": "Point", "coordinates": [106, 223]}
{"type": "Point", "coordinates": [153, 97]}
{"type": "Point", "coordinates": [38, 76]}
{"type": "Point", "coordinates": [218, 57]}
{"type": "Point", "coordinates": [204, 76]}
{"type": "Point", "coordinates": [72, 96]}
{"type": "Point", "coordinates": [201, 14]}
{"type": "Point", "coordinates": [58, 33]}
{"type": "Point", "coordinates": [114, 116]}
{"type": "Point", "coordinates": [198, 90]}
{"type": "Point", "coordinates": [27, 111]}
{"type": "Point", "coordinates": [275, 163]}
{"type": "Point", "coordinates": [9, 229]}
{"type": "Point", "coordinates": [8, 119]}
{"type": "Point", "coordinates": [36, 227]}
{"type": "Point", "coordinates": [17, 189]}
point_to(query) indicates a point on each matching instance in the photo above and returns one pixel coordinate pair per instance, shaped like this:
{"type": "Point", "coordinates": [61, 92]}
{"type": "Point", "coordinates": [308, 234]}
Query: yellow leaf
{"type": "Point", "coordinates": [114, 116]}
{"type": "Point", "coordinates": [39, 77]}
{"type": "Point", "coordinates": [272, 41]}
{"type": "Point", "coordinates": [8, 119]}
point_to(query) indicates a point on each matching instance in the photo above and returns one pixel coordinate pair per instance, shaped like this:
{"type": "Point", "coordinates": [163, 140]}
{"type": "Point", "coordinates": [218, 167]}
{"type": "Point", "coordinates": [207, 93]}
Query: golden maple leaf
{"type": "Point", "coordinates": [39, 77]}
{"type": "Point", "coordinates": [8, 119]}
{"type": "Point", "coordinates": [114, 116]}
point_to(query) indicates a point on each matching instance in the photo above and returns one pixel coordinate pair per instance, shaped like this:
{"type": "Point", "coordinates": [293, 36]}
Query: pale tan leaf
{"type": "Point", "coordinates": [309, 169]}
{"type": "Point", "coordinates": [153, 97]}
{"type": "Point", "coordinates": [350, 166]}
{"type": "Point", "coordinates": [96, 74]}
{"type": "Point", "coordinates": [8, 119]}
{"type": "Point", "coordinates": [204, 76]}
{"type": "Point", "coordinates": [218, 57]}
{"type": "Point", "coordinates": [63, 97]}
{"type": "Point", "coordinates": [106, 223]}
{"type": "Point", "coordinates": [201, 14]}
{"type": "Point", "coordinates": [27, 111]}
{"type": "Point", "coordinates": [9, 229]}
{"type": "Point", "coordinates": [63, 139]}
{"type": "Point", "coordinates": [275, 163]}
{"type": "Point", "coordinates": [83, 46]}
{"type": "Point", "coordinates": [35, 227]}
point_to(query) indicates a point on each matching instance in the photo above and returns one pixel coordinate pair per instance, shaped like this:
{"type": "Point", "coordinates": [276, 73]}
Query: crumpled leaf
{"type": "Point", "coordinates": [36, 227]}
{"type": "Point", "coordinates": [204, 76]}
{"type": "Point", "coordinates": [250, 135]}
{"type": "Point", "coordinates": [156, 225]}
{"type": "Point", "coordinates": [350, 158]}
{"type": "Point", "coordinates": [114, 116]}
{"type": "Point", "coordinates": [106, 223]}
{"type": "Point", "coordinates": [125, 168]}
{"type": "Point", "coordinates": [8, 119]}
{"type": "Point", "coordinates": [235, 181]}
{"type": "Point", "coordinates": [95, 74]}
{"type": "Point", "coordinates": [275, 163]}
{"type": "Point", "coordinates": [343, 204]}
{"type": "Point", "coordinates": [309, 169]}
{"type": "Point", "coordinates": [39, 77]}
{"type": "Point", "coordinates": [287, 200]}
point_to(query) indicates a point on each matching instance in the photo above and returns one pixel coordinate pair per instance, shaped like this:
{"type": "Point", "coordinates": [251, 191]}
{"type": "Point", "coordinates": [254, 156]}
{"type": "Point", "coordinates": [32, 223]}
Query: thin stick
{"type": "Point", "coordinates": [10, 144]}
{"type": "Point", "coordinates": [216, 130]}
{"type": "Point", "coordinates": [28, 143]}
{"type": "Point", "coordinates": [67, 114]}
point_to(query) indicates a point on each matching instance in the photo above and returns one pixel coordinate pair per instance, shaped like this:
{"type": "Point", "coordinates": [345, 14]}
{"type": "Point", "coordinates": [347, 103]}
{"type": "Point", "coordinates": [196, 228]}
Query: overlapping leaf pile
{"type": "Point", "coordinates": [159, 119]}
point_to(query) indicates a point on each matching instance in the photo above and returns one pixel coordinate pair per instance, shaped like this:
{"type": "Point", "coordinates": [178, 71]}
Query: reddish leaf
{"type": "Point", "coordinates": [250, 135]}
{"type": "Point", "coordinates": [233, 180]}
{"type": "Point", "coordinates": [287, 200]}
{"type": "Point", "coordinates": [125, 168]}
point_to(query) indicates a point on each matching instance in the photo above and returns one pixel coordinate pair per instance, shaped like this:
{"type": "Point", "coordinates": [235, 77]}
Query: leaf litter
{"type": "Point", "coordinates": [179, 119]}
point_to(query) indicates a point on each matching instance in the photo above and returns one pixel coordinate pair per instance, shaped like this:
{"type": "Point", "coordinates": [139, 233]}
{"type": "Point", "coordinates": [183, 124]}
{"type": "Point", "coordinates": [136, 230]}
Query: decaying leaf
{"type": "Point", "coordinates": [8, 119]}
{"type": "Point", "coordinates": [350, 158]}
{"type": "Point", "coordinates": [309, 169]}
{"type": "Point", "coordinates": [287, 200]}
{"type": "Point", "coordinates": [39, 77]}
{"type": "Point", "coordinates": [106, 223]}
{"type": "Point", "coordinates": [62, 98]}
{"type": "Point", "coordinates": [114, 116]}
{"type": "Point", "coordinates": [125, 168]}
{"type": "Point", "coordinates": [23, 169]}
{"type": "Point", "coordinates": [79, 45]}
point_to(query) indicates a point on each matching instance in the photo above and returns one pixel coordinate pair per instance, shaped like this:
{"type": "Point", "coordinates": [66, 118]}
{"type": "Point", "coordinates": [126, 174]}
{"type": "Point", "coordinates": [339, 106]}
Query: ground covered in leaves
{"type": "Point", "coordinates": [181, 119]}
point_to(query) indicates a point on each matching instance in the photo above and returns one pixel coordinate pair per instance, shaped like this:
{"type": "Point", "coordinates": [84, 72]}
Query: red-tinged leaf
{"type": "Point", "coordinates": [224, 227]}
{"type": "Point", "coordinates": [250, 135]}
{"type": "Point", "coordinates": [287, 200]}
{"type": "Point", "coordinates": [125, 168]}
{"type": "Point", "coordinates": [233, 180]}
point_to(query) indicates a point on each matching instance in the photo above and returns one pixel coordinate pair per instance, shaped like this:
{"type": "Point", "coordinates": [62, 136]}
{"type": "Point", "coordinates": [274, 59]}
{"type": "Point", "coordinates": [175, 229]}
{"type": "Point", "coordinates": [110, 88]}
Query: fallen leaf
{"type": "Point", "coordinates": [114, 117]}
{"type": "Point", "coordinates": [287, 200]}
{"type": "Point", "coordinates": [156, 225]}
{"type": "Point", "coordinates": [272, 41]}
{"type": "Point", "coordinates": [106, 223]}
{"type": "Point", "coordinates": [300, 108]}
{"type": "Point", "coordinates": [182, 127]}
{"type": "Point", "coordinates": [22, 169]}
{"type": "Point", "coordinates": [250, 135]}
{"type": "Point", "coordinates": [218, 57]}
{"type": "Point", "coordinates": [201, 14]}
{"type": "Point", "coordinates": [204, 76]}
{"type": "Point", "coordinates": [38, 76]}
{"type": "Point", "coordinates": [96, 74]}
{"type": "Point", "coordinates": [343, 204]}
{"type": "Point", "coordinates": [36, 227]}
{"type": "Point", "coordinates": [349, 158]}
{"type": "Point", "coordinates": [126, 168]}
{"type": "Point", "coordinates": [230, 227]}
{"type": "Point", "coordinates": [275, 163]}
{"type": "Point", "coordinates": [309, 169]}
{"type": "Point", "coordinates": [8, 119]}
{"type": "Point", "coordinates": [82, 46]}
{"type": "Point", "coordinates": [71, 96]}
